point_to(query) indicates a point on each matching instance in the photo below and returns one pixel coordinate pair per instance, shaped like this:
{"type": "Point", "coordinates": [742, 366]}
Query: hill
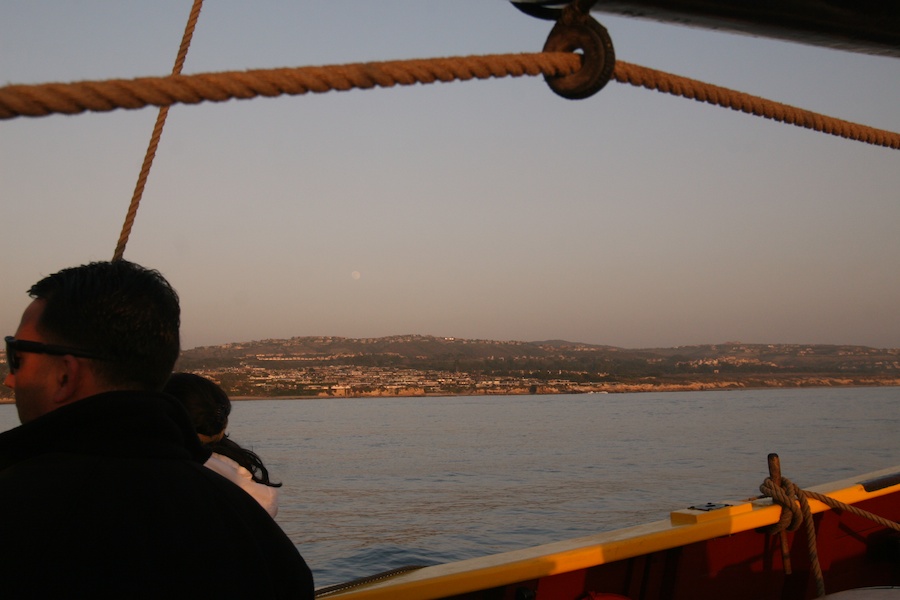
{"type": "Point", "coordinates": [420, 365]}
{"type": "Point", "coordinates": [417, 365]}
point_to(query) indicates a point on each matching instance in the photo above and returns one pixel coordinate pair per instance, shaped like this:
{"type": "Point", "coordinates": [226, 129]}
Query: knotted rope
{"type": "Point", "coordinates": [795, 511]}
{"type": "Point", "coordinates": [50, 98]}
{"type": "Point", "coordinates": [155, 136]}
{"type": "Point", "coordinates": [789, 497]}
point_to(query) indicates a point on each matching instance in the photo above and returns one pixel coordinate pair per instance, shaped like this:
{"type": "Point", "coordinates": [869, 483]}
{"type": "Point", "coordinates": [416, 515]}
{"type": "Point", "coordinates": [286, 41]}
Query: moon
{"type": "Point", "coordinates": [355, 274]}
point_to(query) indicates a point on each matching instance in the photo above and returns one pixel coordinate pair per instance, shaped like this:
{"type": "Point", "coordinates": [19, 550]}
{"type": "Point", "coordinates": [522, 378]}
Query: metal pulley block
{"type": "Point", "coordinates": [576, 31]}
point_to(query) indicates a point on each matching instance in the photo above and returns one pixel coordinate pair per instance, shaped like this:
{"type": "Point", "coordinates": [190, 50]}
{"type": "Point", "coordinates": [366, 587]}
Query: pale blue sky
{"type": "Point", "coordinates": [489, 209]}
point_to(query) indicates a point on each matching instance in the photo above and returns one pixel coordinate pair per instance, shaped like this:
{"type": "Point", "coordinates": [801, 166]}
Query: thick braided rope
{"type": "Point", "coordinates": [810, 538]}
{"type": "Point", "coordinates": [45, 99]}
{"type": "Point", "coordinates": [788, 496]}
{"type": "Point", "coordinates": [155, 136]}
{"type": "Point", "coordinates": [838, 505]}
{"type": "Point", "coordinates": [726, 98]}
{"type": "Point", "coordinates": [790, 519]}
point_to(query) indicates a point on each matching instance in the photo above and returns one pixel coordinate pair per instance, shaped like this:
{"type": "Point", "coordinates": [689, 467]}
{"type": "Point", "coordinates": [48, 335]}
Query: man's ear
{"type": "Point", "coordinates": [68, 381]}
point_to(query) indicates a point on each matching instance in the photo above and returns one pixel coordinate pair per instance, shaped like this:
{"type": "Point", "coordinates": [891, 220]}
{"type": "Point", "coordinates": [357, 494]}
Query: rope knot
{"type": "Point", "coordinates": [795, 512]}
{"type": "Point", "coordinates": [791, 500]}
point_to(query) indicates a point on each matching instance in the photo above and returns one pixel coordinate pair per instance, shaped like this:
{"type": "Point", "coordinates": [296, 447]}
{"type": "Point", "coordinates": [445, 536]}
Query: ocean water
{"type": "Point", "coordinates": [373, 484]}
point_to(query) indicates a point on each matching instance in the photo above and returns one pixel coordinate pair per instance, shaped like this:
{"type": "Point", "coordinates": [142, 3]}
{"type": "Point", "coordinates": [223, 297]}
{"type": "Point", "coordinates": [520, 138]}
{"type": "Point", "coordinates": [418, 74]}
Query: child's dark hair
{"type": "Point", "coordinates": [208, 407]}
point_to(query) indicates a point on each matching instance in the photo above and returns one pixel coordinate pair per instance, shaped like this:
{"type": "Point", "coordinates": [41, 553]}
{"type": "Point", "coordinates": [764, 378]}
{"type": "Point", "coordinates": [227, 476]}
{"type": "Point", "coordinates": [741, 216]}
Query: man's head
{"type": "Point", "coordinates": [119, 311]}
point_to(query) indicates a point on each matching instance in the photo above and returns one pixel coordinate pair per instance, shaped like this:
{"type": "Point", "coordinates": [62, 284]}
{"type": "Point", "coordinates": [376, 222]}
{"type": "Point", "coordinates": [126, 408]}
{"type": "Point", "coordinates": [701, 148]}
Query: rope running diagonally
{"type": "Point", "coordinates": [155, 136]}
{"type": "Point", "coordinates": [45, 99]}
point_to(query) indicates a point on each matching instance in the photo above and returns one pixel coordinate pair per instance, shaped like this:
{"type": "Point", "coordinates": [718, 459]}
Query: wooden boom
{"type": "Point", "coordinates": [867, 26]}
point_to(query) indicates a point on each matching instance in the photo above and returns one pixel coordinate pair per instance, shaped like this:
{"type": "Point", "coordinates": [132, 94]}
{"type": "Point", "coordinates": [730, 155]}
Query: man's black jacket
{"type": "Point", "coordinates": [108, 496]}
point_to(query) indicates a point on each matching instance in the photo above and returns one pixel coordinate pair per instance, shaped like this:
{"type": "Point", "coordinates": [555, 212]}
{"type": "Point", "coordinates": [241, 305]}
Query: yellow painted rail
{"type": "Point", "coordinates": [684, 527]}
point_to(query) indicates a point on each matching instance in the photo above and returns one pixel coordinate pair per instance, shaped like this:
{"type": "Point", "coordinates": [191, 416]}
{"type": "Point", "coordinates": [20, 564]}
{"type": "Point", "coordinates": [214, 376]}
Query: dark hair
{"type": "Point", "coordinates": [208, 407]}
{"type": "Point", "coordinates": [121, 310]}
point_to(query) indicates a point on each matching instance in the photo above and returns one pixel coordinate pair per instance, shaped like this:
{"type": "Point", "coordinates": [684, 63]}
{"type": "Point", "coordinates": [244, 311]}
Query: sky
{"type": "Point", "coordinates": [485, 209]}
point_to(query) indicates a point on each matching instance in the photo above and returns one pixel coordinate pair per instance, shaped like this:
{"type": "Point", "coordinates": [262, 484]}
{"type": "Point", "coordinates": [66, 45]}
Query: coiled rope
{"type": "Point", "coordinates": [100, 96]}
{"type": "Point", "coordinates": [155, 136]}
{"type": "Point", "coordinates": [795, 511]}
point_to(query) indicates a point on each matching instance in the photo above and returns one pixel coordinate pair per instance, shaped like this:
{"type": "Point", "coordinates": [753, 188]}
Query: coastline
{"type": "Point", "coordinates": [599, 388]}
{"type": "Point", "coordinates": [610, 388]}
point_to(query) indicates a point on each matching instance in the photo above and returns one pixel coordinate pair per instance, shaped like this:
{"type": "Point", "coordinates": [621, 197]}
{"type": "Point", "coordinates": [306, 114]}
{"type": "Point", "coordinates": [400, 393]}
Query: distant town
{"type": "Point", "coordinates": [416, 365]}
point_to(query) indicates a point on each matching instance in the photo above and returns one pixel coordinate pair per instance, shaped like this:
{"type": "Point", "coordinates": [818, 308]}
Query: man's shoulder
{"type": "Point", "coordinates": [121, 423]}
{"type": "Point", "coordinates": [138, 516]}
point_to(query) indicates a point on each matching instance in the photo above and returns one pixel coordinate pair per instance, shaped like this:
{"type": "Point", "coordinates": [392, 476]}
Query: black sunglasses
{"type": "Point", "coordinates": [13, 346]}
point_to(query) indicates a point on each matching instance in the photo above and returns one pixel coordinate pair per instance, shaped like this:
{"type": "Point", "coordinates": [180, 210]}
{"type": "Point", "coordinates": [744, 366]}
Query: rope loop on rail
{"type": "Point", "coordinates": [795, 506]}
{"type": "Point", "coordinates": [795, 511]}
{"type": "Point", "coordinates": [787, 496]}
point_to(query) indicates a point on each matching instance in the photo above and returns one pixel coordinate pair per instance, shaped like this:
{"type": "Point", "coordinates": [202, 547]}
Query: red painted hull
{"type": "Point", "coordinates": [716, 551]}
{"type": "Point", "coordinates": [853, 552]}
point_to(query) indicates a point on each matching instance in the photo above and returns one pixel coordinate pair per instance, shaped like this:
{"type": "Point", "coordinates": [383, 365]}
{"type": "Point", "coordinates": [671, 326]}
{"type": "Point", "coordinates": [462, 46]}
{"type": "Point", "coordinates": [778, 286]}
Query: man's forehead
{"type": "Point", "coordinates": [30, 318]}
